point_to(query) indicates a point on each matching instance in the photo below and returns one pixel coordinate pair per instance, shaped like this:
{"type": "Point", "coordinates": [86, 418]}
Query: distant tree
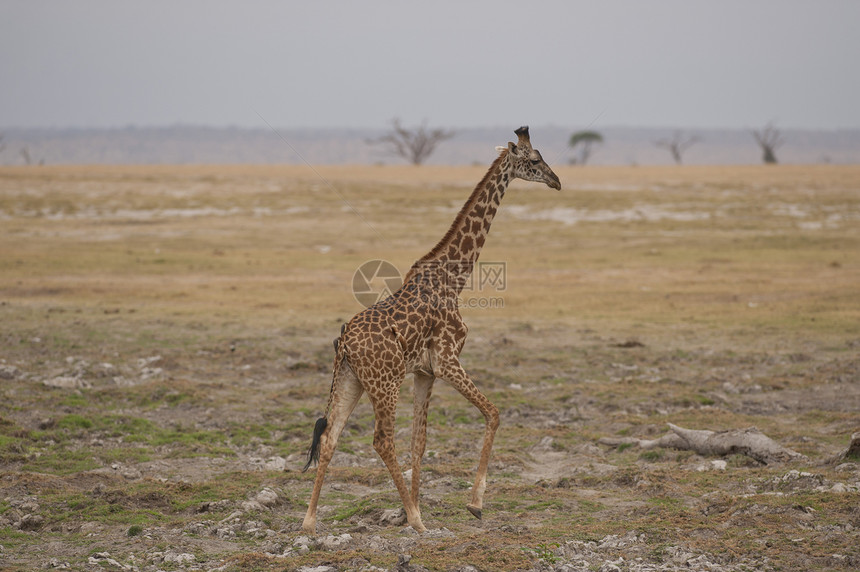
{"type": "Point", "coordinates": [677, 145]}
{"type": "Point", "coordinates": [415, 145]}
{"type": "Point", "coordinates": [584, 141]}
{"type": "Point", "coordinates": [2, 145]}
{"type": "Point", "coordinates": [28, 160]}
{"type": "Point", "coordinates": [769, 139]}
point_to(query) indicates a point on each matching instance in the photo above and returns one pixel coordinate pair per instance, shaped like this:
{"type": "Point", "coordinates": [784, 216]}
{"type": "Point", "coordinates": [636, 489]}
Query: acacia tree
{"type": "Point", "coordinates": [769, 139]}
{"type": "Point", "coordinates": [584, 141]}
{"type": "Point", "coordinates": [677, 145]}
{"type": "Point", "coordinates": [414, 145]}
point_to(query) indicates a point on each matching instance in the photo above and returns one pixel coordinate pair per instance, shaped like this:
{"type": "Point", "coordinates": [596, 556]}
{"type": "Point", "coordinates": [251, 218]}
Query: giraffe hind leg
{"type": "Point", "coordinates": [346, 392]}
{"type": "Point", "coordinates": [423, 389]}
{"type": "Point", "coordinates": [384, 407]}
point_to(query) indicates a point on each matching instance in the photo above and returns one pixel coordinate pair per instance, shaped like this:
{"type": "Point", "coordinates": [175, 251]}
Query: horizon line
{"type": "Point", "coordinates": [226, 127]}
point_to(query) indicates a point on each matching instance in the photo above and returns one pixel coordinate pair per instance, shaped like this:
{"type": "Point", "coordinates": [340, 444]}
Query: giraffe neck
{"type": "Point", "coordinates": [461, 246]}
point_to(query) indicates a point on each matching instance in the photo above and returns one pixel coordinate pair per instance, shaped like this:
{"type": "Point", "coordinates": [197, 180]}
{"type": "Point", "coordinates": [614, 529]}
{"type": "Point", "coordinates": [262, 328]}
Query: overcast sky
{"type": "Point", "coordinates": [658, 63]}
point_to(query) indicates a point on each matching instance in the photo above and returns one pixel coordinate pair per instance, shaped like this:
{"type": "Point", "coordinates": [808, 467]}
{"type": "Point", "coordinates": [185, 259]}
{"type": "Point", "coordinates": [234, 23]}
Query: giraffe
{"type": "Point", "coordinates": [419, 330]}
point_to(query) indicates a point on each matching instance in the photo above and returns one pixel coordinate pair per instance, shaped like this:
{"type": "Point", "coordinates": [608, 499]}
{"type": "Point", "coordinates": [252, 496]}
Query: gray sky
{"type": "Point", "coordinates": [658, 63]}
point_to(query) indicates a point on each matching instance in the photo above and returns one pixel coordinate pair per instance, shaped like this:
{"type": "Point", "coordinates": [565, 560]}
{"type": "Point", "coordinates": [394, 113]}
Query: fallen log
{"type": "Point", "coordinates": [750, 442]}
{"type": "Point", "coordinates": [852, 453]}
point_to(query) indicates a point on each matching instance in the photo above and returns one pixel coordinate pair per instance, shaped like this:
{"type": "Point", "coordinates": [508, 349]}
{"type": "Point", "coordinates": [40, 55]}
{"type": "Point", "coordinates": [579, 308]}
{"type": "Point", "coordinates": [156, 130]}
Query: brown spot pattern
{"type": "Point", "coordinates": [419, 330]}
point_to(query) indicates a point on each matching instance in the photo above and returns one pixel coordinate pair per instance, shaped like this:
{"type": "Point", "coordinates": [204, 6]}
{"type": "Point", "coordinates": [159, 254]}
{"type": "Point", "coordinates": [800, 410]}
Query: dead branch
{"type": "Point", "coordinates": [667, 441]}
{"type": "Point", "coordinates": [750, 442]}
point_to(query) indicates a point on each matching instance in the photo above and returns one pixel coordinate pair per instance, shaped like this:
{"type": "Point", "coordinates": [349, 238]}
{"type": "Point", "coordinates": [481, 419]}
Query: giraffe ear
{"type": "Point", "coordinates": [512, 149]}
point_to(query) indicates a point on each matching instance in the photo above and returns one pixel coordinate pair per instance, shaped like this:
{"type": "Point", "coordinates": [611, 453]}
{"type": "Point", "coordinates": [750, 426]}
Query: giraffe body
{"type": "Point", "coordinates": [419, 330]}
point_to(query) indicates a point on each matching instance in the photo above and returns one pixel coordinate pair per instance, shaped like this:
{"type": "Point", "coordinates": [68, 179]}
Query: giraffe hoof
{"type": "Point", "coordinates": [476, 512]}
{"type": "Point", "coordinates": [309, 527]}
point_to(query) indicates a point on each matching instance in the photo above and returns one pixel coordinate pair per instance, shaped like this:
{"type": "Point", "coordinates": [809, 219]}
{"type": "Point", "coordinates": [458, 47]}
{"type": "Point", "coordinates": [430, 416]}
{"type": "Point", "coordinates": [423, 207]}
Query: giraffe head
{"type": "Point", "coordinates": [527, 162]}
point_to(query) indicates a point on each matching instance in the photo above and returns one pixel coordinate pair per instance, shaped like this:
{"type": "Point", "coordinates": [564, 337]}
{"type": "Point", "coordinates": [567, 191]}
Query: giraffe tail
{"type": "Point", "coordinates": [314, 450]}
{"type": "Point", "coordinates": [322, 422]}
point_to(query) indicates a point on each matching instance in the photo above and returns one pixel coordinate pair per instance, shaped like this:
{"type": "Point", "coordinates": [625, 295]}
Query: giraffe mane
{"type": "Point", "coordinates": [458, 220]}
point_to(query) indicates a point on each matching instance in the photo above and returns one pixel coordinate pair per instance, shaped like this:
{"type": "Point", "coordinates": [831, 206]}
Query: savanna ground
{"type": "Point", "coordinates": [166, 347]}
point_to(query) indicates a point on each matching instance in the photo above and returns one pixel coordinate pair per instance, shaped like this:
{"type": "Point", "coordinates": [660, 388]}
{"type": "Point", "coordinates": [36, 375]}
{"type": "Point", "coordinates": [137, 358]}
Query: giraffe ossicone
{"type": "Point", "coordinates": [419, 330]}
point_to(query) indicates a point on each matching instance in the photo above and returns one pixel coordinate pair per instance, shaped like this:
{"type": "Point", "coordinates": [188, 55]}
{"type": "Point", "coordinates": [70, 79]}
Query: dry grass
{"type": "Point", "coordinates": [740, 282]}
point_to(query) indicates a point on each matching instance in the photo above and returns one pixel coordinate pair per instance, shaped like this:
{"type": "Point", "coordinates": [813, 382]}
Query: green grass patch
{"type": "Point", "coordinates": [59, 460]}
{"type": "Point", "coordinates": [74, 421]}
{"type": "Point", "coordinates": [74, 400]}
{"type": "Point", "coordinates": [547, 505]}
{"type": "Point", "coordinates": [590, 507]}
{"type": "Point", "coordinates": [652, 456]}
{"type": "Point", "coordinates": [665, 502]}
{"type": "Point", "coordinates": [9, 444]}
{"type": "Point", "coordinates": [362, 507]}
{"type": "Point", "coordinates": [134, 530]}
{"type": "Point", "coordinates": [545, 552]}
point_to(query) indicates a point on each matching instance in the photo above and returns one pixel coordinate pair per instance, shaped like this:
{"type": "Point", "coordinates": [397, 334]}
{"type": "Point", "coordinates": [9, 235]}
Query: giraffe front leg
{"type": "Point", "coordinates": [491, 414]}
{"type": "Point", "coordinates": [452, 372]}
{"type": "Point", "coordinates": [423, 389]}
